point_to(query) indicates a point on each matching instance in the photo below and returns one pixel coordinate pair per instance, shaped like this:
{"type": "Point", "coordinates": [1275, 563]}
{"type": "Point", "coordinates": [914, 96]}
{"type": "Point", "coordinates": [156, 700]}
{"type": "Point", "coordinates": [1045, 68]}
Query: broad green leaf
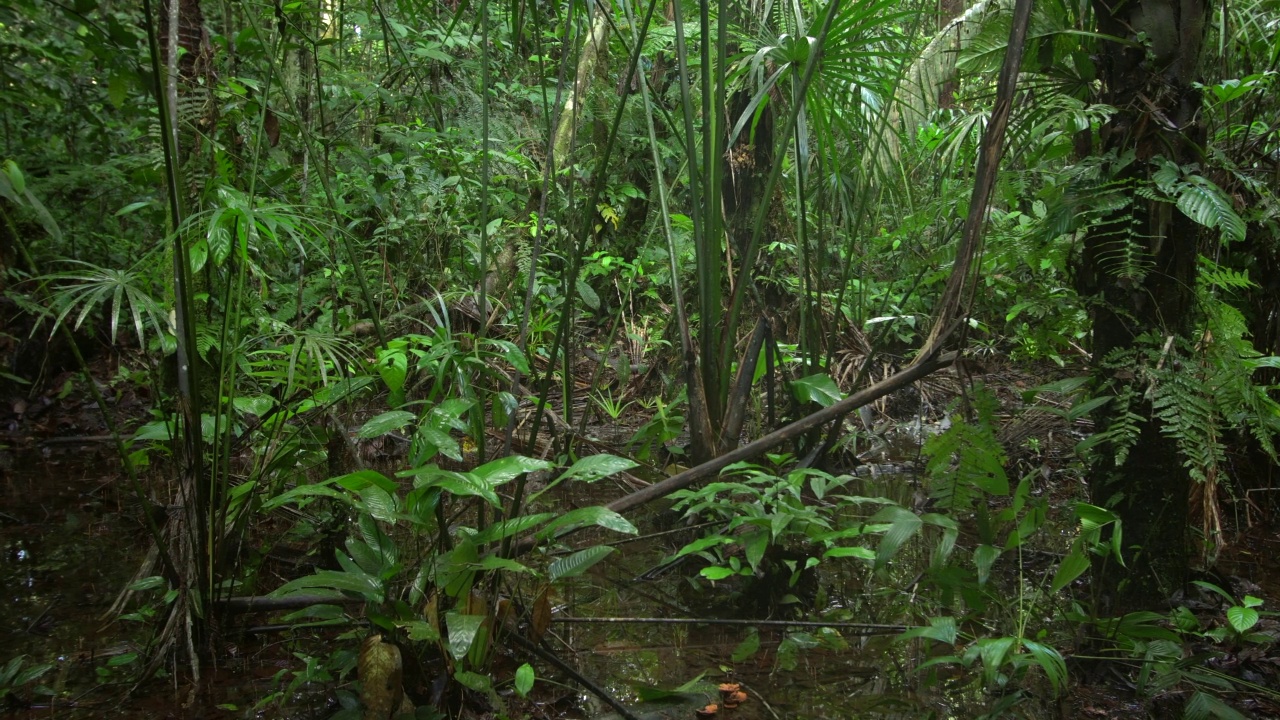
{"type": "Point", "coordinates": [381, 504]}
{"type": "Point", "coordinates": [361, 479]}
{"type": "Point", "coordinates": [993, 652]}
{"type": "Point", "coordinates": [367, 586]}
{"type": "Point", "coordinates": [1205, 705]}
{"type": "Point", "coordinates": [1242, 618]}
{"type": "Point", "coordinates": [474, 681]}
{"type": "Point", "coordinates": [506, 469]}
{"type": "Point", "coordinates": [588, 295]}
{"type": "Point", "coordinates": [860, 553]}
{"type": "Point", "coordinates": [595, 515]}
{"type": "Point", "coordinates": [514, 526]}
{"type": "Point", "coordinates": [702, 544]}
{"type": "Point", "coordinates": [578, 563]}
{"type": "Point", "coordinates": [819, 388]}
{"type": "Point", "coordinates": [493, 562]}
{"type": "Point", "coordinates": [306, 491]}
{"type": "Point", "coordinates": [595, 467]}
{"type": "Point", "coordinates": [385, 423]}
{"type": "Point", "coordinates": [393, 367]}
{"type": "Point", "coordinates": [524, 679]}
{"type": "Point", "coordinates": [462, 632]}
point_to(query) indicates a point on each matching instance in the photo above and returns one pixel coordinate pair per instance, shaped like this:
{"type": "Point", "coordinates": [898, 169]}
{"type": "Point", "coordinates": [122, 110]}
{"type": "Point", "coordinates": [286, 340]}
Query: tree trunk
{"type": "Point", "coordinates": [1151, 85]}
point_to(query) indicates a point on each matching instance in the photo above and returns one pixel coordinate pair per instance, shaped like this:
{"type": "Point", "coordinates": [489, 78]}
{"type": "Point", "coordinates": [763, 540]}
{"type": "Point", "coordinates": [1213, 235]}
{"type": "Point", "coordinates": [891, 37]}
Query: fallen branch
{"type": "Point", "coordinates": [855, 628]}
{"type": "Point", "coordinates": [837, 411]}
{"type": "Point", "coordinates": [267, 603]}
{"type": "Point", "coordinates": [751, 450]}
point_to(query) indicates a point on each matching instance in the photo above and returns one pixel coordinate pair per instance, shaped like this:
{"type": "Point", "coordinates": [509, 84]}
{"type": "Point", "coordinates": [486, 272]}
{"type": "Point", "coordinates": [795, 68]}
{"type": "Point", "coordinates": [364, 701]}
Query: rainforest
{"type": "Point", "coordinates": [660, 359]}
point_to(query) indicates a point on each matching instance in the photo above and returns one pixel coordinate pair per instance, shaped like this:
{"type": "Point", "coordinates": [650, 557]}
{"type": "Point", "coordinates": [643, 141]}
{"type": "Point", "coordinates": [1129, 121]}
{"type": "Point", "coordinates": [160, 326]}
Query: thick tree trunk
{"type": "Point", "coordinates": [1152, 87]}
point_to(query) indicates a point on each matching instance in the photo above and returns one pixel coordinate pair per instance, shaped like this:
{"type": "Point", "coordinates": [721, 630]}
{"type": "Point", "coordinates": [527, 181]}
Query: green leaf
{"type": "Point", "coordinates": [594, 467]}
{"type": "Point", "coordinates": [578, 563]}
{"type": "Point", "coordinates": [524, 679]}
{"type": "Point", "coordinates": [419, 630]}
{"type": "Point", "coordinates": [473, 681]}
{"type": "Point", "coordinates": [506, 469]}
{"type": "Point", "coordinates": [749, 646]}
{"type": "Point", "coordinates": [1204, 706]}
{"type": "Point", "coordinates": [462, 632]}
{"type": "Point", "coordinates": [595, 515]}
{"type": "Point", "coordinates": [1203, 201]}
{"type": "Point", "coordinates": [715, 572]}
{"type": "Point", "coordinates": [941, 629]}
{"type": "Point", "coordinates": [993, 651]}
{"type": "Point", "coordinates": [514, 526]}
{"type": "Point", "coordinates": [381, 504]}
{"type": "Point", "coordinates": [1242, 618]}
{"type": "Point", "coordinates": [819, 388]}
{"type": "Point", "coordinates": [701, 544]}
{"type": "Point", "coordinates": [860, 553]}
{"type": "Point", "coordinates": [364, 585]}
{"type": "Point", "coordinates": [385, 423]}
{"type": "Point", "coordinates": [361, 479]}
{"type": "Point", "coordinates": [393, 367]}
{"type": "Point", "coordinates": [1071, 567]}
{"type": "Point", "coordinates": [589, 296]}
{"type": "Point", "coordinates": [984, 557]}
{"type": "Point", "coordinates": [1049, 660]}
{"type": "Point", "coordinates": [903, 524]}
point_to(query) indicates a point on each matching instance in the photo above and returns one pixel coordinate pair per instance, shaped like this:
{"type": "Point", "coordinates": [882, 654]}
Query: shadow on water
{"type": "Point", "coordinates": [68, 549]}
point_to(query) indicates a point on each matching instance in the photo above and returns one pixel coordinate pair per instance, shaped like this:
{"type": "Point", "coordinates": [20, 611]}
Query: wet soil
{"type": "Point", "coordinates": [72, 538]}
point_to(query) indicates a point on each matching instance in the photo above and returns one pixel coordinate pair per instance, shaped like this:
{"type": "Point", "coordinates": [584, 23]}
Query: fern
{"type": "Point", "coordinates": [967, 459]}
{"type": "Point", "coordinates": [1184, 404]}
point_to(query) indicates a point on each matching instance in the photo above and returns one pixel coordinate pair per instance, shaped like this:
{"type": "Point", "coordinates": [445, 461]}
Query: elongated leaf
{"type": "Point", "coordinates": [595, 467]}
{"type": "Point", "coordinates": [367, 586]}
{"type": "Point", "coordinates": [385, 423]}
{"type": "Point", "coordinates": [578, 563]}
{"type": "Point", "coordinates": [514, 526]}
{"type": "Point", "coordinates": [1049, 660]}
{"type": "Point", "coordinates": [903, 525]}
{"type": "Point", "coordinates": [860, 553]}
{"type": "Point", "coordinates": [507, 469]}
{"type": "Point", "coordinates": [361, 479]}
{"type": "Point", "coordinates": [596, 515]}
{"type": "Point", "coordinates": [1071, 567]}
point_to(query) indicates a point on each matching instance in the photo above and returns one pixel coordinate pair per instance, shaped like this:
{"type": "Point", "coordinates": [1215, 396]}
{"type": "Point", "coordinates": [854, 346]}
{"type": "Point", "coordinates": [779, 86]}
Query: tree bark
{"type": "Point", "coordinates": [1150, 83]}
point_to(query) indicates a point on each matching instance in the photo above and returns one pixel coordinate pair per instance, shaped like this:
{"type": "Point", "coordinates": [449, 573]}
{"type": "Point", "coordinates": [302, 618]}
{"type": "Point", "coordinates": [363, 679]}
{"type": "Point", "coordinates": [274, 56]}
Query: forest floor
{"type": "Point", "coordinates": [73, 536]}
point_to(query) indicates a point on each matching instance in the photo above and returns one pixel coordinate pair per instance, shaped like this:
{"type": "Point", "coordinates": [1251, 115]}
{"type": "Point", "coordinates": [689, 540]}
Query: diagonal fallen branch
{"type": "Point", "coordinates": [837, 411]}
{"type": "Point", "coordinates": [754, 449]}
